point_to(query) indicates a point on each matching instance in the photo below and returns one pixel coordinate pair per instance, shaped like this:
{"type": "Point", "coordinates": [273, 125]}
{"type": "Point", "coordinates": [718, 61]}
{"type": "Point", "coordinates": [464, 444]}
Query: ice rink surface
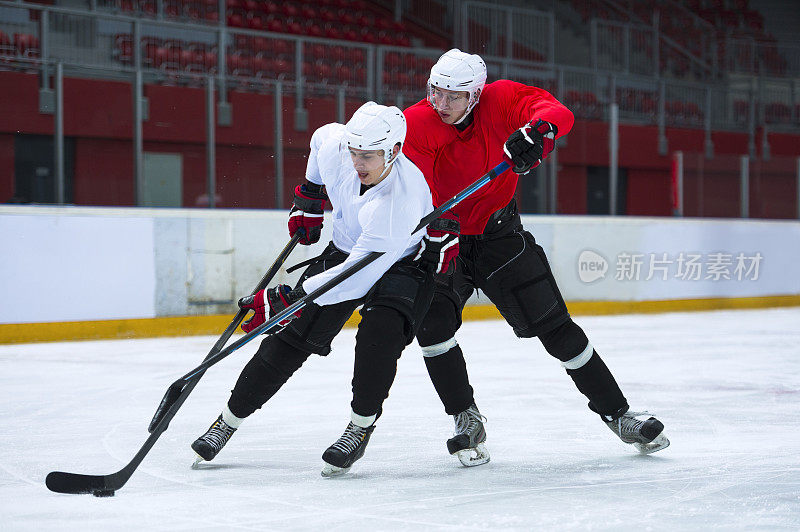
{"type": "Point", "coordinates": [726, 385]}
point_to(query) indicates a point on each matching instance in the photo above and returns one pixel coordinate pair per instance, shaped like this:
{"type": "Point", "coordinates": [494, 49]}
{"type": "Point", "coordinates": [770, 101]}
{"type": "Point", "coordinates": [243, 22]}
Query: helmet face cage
{"type": "Point", "coordinates": [474, 96]}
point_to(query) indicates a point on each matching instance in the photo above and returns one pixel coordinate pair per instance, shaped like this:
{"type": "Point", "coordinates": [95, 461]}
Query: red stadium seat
{"type": "Point", "coordinates": [317, 51]}
{"type": "Point", "coordinates": [256, 21]}
{"type": "Point", "coordinates": [148, 7]}
{"type": "Point", "coordinates": [27, 45]}
{"type": "Point", "coordinates": [358, 55]}
{"type": "Point", "coordinates": [343, 74]}
{"type": "Point", "coordinates": [261, 44]}
{"type": "Point", "coordinates": [308, 12]}
{"type": "Point", "coordinates": [332, 32]}
{"type": "Point", "coordinates": [313, 30]}
{"type": "Point", "coordinates": [327, 15]}
{"type": "Point", "coordinates": [283, 47]}
{"type": "Point", "coordinates": [392, 60]}
{"type": "Point", "coordinates": [294, 28]}
{"type": "Point", "coordinates": [236, 18]}
{"type": "Point", "coordinates": [290, 10]}
{"type": "Point", "coordinates": [172, 8]}
{"type": "Point", "coordinates": [262, 66]}
{"type": "Point", "coordinates": [367, 35]}
{"type": "Point", "coordinates": [282, 68]}
{"type": "Point", "coordinates": [336, 53]}
{"type": "Point", "coordinates": [193, 10]}
{"type": "Point", "coordinates": [210, 60]}
{"type": "Point", "coordinates": [270, 8]}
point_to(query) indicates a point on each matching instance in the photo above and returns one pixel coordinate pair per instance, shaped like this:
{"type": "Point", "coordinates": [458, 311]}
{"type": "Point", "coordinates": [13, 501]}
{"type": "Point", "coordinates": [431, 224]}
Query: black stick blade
{"type": "Point", "coordinates": [61, 482]}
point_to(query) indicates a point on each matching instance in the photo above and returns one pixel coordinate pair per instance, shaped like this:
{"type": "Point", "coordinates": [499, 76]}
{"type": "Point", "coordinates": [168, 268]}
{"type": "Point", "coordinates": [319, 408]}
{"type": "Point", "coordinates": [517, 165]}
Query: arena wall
{"type": "Point", "coordinates": [88, 272]}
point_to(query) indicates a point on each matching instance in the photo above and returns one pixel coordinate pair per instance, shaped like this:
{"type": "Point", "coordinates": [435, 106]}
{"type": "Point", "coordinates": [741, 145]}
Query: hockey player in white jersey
{"type": "Point", "coordinates": [378, 197]}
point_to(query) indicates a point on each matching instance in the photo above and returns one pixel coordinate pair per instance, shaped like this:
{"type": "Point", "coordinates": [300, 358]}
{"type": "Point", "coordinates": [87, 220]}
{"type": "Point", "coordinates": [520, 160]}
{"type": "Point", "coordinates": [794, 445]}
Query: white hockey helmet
{"type": "Point", "coordinates": [458, 71]}
{"type": "Point", "coordinates": [376, 127]}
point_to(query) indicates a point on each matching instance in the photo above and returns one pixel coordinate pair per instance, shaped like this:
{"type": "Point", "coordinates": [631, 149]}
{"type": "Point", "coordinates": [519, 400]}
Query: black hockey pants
{"type": "Point", "coordinates": [507, 264]}
{"type": "Point", "coordinates": [392, 310]}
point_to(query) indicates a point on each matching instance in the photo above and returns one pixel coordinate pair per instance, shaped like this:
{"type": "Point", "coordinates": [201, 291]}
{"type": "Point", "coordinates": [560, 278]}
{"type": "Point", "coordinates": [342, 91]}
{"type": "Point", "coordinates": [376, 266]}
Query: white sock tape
{"type": "Point", "coordinates": [230, 419]}
{"type": "Point", "coordinates": [580, 360]}
{"type": "Point", "coordinates": [362, 421]}
{"type": "Point", "coordinates": [439, 349]}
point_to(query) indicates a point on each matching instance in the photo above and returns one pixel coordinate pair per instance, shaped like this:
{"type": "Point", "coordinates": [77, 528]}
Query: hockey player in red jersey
{"type": "Point", "coordinates": [461, 131]}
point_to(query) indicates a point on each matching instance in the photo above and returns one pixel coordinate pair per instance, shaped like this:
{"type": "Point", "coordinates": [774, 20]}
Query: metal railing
{"type": "Point", "coordinates": [220, 59]}
{"type": "Point", "coordinates": [510, 32]}
{"type": "Point", "coordinates": [748, 56]}
{"type": "Point", "coordinates": [178, 53]}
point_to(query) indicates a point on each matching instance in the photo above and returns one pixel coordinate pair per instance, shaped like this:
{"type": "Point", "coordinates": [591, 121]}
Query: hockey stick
{"type": "Point", "coordinates": [344, 274]}
{"type": "Point", "coordinates": [172, 394]}
{"type": "Point", "coordinates": [105, 485]}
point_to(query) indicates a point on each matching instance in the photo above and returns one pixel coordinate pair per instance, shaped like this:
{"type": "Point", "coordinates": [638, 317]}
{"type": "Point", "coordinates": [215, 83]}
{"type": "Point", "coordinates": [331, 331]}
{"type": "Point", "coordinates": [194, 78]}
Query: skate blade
{"type": "Point", "coordinates": [474, 456]}
{"type": "Point", "coordinates": [332, 471]}
{"type": "Point", "coordinates": [197, 460]}
{"type": "Point", "coordinates": [660, 442]}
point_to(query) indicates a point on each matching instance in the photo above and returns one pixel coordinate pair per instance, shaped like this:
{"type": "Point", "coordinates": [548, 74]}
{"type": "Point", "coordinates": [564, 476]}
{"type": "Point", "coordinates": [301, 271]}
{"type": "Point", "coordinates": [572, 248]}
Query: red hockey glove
{"type": "Point", "coordinates": [306, 214]}
{"type": "Point", "coordinates": [529, 145]}
{"type": "Point", "coordinates": [439, 247]}
{"type": "Point", "coordinates": [277, 299]}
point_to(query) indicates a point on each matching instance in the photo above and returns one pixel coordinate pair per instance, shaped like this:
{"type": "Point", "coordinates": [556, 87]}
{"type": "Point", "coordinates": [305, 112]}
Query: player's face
{"type": "Point", "coordinates": [369, 165]}
{"type": "Point", "coordinates": [451, 105]}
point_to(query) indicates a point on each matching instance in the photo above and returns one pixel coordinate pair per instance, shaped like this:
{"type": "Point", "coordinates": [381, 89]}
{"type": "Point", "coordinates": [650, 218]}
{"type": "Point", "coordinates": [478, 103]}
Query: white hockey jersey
{"type": "Point", "coordinates": [379, 220]}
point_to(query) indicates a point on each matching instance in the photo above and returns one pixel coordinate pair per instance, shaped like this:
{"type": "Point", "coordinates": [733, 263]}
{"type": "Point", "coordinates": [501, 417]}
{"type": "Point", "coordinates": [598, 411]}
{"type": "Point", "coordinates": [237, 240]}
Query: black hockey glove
{"type": "Point", "coordinates": [527, 146]}
{"type": "Point", "coordinates": [439, 246]}
{"type": "Point", "coordinates": [276, 299]}
{"type": "Point", "coordinates": [306, 214]}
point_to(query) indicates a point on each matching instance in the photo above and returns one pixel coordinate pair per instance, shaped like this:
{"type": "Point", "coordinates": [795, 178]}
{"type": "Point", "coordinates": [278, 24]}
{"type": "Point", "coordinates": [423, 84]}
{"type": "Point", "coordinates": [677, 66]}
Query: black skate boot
{"type": "Point", "coordinates": [211, 443]}
{"type": "Point", "coordinates": [646, 434]}
{"type": "Point", "coordinates": [468, 441]}
{"type": "Point", "coordinates": [348, 448]}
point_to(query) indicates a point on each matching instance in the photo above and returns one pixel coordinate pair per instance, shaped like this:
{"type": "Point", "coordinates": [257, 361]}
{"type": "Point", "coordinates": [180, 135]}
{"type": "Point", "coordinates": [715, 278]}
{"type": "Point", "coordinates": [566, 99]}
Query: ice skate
{"type": "Point", "coordinates": [211, 443]}
{"type": "Point", "coordinates": [645, 432]}
{"type": "Point", "coordinates": [468, 441]}
{"type": "Point", "coordinates": [348, 448]}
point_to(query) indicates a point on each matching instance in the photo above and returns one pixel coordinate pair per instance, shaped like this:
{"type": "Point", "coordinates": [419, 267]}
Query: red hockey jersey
{"type": "Point", "coordinates": [451, 159]}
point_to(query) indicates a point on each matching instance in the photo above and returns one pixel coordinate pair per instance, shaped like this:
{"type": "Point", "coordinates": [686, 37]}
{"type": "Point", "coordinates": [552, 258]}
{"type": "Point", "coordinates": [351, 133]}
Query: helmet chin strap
{"type": "Point", "coordinates": [473, 101]}
{"type": "Point", "coordinates": [387, 168]}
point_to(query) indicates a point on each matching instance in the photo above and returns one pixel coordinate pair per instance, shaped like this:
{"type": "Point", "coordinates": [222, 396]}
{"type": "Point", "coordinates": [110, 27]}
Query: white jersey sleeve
{"type": "Point", "coordinates": [319, 137]}
{"type": "Point", "coordinates": [386, 220]}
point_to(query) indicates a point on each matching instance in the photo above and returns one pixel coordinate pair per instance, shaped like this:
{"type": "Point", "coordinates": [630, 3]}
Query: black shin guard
{"type": "Point", "coordinates": [593, 378]}
{"type": "Point", "coordinates": [448, 372]}
{"type": "Point", "coordinates": [263, 376]}
{"type": "Point", "coordinates": [380, 340]}
{"type": "Point", "coordinates": [595, 381]}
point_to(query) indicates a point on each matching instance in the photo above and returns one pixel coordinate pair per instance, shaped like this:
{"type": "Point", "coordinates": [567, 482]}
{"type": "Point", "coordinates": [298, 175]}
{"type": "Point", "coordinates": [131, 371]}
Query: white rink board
{"type": "Point", "coordinates": [725, 384]}
{"type": "Point", "coordinates": [82, 263]}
